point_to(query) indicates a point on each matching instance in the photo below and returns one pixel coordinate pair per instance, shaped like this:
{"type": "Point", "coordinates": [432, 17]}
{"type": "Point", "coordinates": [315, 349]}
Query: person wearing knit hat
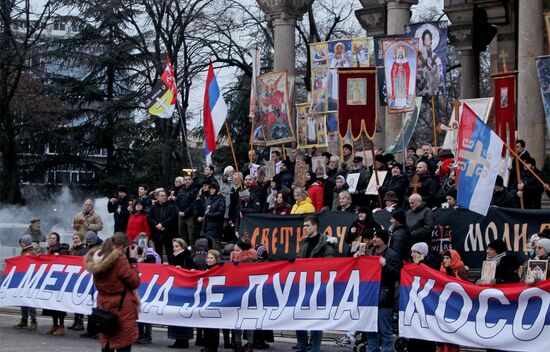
{"type": "Point", "coordinates": [400, 235]}
{"type": "Point", "coordinates": [229, 169]}
{"type": "Point", "coordinates": [389, 259]}
{"type": "Point", "coordinates": [507, 264]}
{"type": "Point", "coordinates": [497, 245]}
{"type": "Point", "coordinates": [420, 248]}
{"type": "Point", "coordinates": [27, 248]}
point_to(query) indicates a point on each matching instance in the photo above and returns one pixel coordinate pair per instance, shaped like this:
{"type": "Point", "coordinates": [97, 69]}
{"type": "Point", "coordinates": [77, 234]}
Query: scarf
{"type": "Point", "coordinates": [496, 258]}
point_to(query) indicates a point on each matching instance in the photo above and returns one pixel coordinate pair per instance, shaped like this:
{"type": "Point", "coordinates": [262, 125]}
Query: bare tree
{"type": "Point", "coordinates": [21, 29]}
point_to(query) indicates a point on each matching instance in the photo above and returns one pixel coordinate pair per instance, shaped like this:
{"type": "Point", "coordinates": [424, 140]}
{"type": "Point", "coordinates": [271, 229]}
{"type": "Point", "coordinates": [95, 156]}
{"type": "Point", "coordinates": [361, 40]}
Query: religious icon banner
{"type": "Point", "coordinates": [432, 57]}
{"type": "Point", "coordinates": [407, 129]}
{"type": "Point", "coordinates": [400, 55]}
{"type": "Point", "coordinates": [357, 108]}
{"type": "Point", "coordinates": [379, 62]}
{"type": "Point", "coordinates": [326, 58]}
{"type": "Point", "coordinates": [311, 129]}
{"type": "Point", "coordinates": [505, 106]}
{"type": "Point", "coordinates": [274, 109]}
{"type": "Point", "coordinates": [543, 70]}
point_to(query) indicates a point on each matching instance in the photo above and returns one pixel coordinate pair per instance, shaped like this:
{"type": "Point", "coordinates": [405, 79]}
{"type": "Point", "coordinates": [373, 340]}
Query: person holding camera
{"type": "Point", "coordinates": [116, 278]}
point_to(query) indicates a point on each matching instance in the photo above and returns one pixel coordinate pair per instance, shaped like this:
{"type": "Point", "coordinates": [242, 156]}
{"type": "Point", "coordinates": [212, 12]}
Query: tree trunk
{"type": "Point", "coordinates": [9, 191]}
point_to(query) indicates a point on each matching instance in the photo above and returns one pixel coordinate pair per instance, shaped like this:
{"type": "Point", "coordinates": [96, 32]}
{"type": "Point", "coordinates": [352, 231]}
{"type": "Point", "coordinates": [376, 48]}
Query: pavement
{"type": "Point", "coordinates": [19, 340]}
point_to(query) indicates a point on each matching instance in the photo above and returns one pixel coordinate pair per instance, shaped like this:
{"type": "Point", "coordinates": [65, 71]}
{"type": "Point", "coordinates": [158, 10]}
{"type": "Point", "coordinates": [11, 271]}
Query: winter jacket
{"type": "Point", "coordinates": [390, 276]}
{"type": "Point", "coordinates": [315, 193]}
{"type": "Point", "coordinates": [400, 241]}
{"type": "Point", "coordinates": [326, 247]}
{"type": "Point", "coordinates": [167, 215]}
{"type": "Point", "coordinates": [420, 222]}
{"type": "Point", "coordinates": [185, 199]}
{"type": "Point", "coordinates": [79, 250]}
{"type": "Point", "coordinates": [120, 213]}
{"type": "Point", "coordinates": [138, 223]}
{"type": "Point", "coordinates": [113, 274]}
{"type": "Point", "coordinates": [303, 207]}
{"type": "Point", "coordinates": [184, 260]}
{"type": "Point", "coordinates": [281, 209]}
{"type": "Point", "coordinates": [95, 223]}
{"type": "Point", "coordinates": [398, 184]}
{"type": "Point", "coordinates": [212, 225]}
{"type": "Point", "coordinates": [364, 229]}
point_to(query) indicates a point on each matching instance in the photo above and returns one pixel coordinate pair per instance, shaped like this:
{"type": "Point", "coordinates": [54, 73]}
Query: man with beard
{"type": "Point", "coordinates": [424, 184]}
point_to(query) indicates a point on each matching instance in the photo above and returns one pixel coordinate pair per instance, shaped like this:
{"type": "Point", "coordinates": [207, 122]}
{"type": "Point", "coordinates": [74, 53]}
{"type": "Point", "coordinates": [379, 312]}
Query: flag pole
{"type": "Point", "coordinates": [518, 160]}
{"type": "Point", "coordinates": [373, 166]}
{"type": "Point", "coordinates": [433, 120]}
{"type": "Point", "coordinates": [284, 151]}
{"type": "Point", "coordinates": [232, 150]}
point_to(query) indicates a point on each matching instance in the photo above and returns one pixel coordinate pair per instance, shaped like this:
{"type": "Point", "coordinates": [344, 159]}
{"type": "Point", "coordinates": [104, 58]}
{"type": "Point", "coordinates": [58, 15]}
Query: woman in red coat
{"type": "Point", "coordinates": [116, 276]}
{"type": "Point", "coordinates": [315, 191]}
{"type": "Point", "coordinates": [137, 223]}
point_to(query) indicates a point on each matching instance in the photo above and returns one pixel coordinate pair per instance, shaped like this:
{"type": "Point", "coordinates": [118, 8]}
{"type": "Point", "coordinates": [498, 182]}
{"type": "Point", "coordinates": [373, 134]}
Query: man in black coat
{"type": "Point", "coordinates": [163, 220]}
{"type": "Point", "coordinates": [212, 222]}
{"type": "Point", "coordinates": [119, 208]}
{"type": "Point", "coordinates": [187, 195]}
{"type": "Point", "coordinates": [391, 267]}
{"type": "Point", "coordinates": [400, 235]}
{"type": "Point", "coordinates": [419, 220]}
{"type": "Point", "coordinates": [529, 187]}
{"type": "Point", "coordinates": [397, 183]}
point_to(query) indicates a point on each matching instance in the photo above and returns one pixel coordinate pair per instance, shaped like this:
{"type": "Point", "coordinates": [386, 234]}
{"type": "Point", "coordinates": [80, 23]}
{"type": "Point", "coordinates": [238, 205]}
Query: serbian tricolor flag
{"type": "Point", "coordinates": [161, 101]}
{"type": "Point", "coordinates": [214, 113]}
{"type": "Point", "coordinates": [479, 158]}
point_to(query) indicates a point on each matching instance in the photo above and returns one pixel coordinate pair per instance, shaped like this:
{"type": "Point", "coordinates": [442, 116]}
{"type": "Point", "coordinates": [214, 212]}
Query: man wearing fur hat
{"type": "Point", "coordinates": [314, 245]}
{"type": "Point", "coordinates": [119, 208]}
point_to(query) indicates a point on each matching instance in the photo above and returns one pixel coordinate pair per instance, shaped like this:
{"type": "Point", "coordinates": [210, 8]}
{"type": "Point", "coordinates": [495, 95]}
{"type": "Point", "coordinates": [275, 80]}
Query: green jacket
{"type": "Point", "coordinates": [325, 248]}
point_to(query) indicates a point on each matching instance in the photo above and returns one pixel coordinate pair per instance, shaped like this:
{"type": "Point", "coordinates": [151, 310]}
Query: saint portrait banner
{"type": "Point", "coordinates": [543, 70]}
{"type": "Point", "coordinates": [379, 62]}
{"type": "Point", "coordinates": [505, 106]}
{"type": "Point", "coordinates": [311, 129]}
{"type": "Point", "coordinates": [274, 109]}
{"type": "Point", "coordinates": [400, 55]}
{"type": "Point", "coordinates": [357, 108]}
{"type": "Point", "coordinates": [326, 58]}
{"type": "Point", "coordinates": [432, 57]}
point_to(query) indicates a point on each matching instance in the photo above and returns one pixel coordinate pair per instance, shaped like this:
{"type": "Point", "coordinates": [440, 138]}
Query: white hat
{"type": "Point", "coordinates": [228, 169]}
{"type": "Point", "coordinates": [420, 247]}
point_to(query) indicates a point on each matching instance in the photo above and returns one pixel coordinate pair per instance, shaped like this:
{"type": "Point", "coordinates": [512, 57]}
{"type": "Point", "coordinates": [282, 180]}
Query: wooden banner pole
{"type": "Point", "coordinates": [232, 150]}
{"type": "Point", "coordinates": [434, 126]}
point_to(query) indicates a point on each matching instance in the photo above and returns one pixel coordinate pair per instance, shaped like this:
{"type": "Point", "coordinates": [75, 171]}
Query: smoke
{"type": "Point", "coordinates": [56, 214]}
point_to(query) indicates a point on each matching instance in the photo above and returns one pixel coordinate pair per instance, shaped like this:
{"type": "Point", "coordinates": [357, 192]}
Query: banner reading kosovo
{"type": "Point", "coordinates": [357, 107]}
{"type": "Point", "coordinates": [436, 307]}
{"type": "Point", "coordinates": [309, 294]}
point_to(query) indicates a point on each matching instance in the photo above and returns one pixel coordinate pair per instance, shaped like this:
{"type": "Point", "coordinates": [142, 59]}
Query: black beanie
{"type": "Point", "coordinates": [498, 245]}
{"type": "Point", "coordinates": [400, 216]}
{"type": "Point", "coordinates": [244, 245]}
{"type": "Point", "coordinates": [383, 235]}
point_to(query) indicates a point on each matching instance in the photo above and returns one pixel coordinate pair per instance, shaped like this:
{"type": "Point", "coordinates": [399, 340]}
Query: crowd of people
{"type": "Point", "coordinates": [195, 225]}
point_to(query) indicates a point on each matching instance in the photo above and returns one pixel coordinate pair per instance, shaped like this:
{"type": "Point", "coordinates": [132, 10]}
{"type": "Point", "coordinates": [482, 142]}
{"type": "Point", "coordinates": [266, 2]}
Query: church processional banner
{"type": "Point", "coordinates": [432, 57]}
{"type": "Point", "coordinates": [505, 106]}
{"type": "Point", "coordinates": [311, 130]}
{"type": "Point", "coordinates": [400, 57]}
{"type": "Point", "coordinates": [320, 294]}
{"type": "Point", "coordinates": [543, 70]}
{"type": "Point", "coordinates": [409, 124]}
{"type": "Point", "coordinates": [379, 62]}
{"type": "Point", "coordinates": [434, 306]}
{"type": "Point", "coordinates": [274, 109]}
{"type": "Point", "coordinates": [357, 107]}
{"type": "Point", "coordinates": [326, 58]}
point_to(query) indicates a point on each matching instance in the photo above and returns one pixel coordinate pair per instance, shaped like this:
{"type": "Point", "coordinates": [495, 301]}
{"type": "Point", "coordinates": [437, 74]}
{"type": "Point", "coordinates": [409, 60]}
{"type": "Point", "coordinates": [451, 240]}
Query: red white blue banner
{"type": "Point", "coordinates": [479, 156]}
{"type": "Point", "coordinates": [308, 294]}
{"type": "Point", "coordinates": [214, 113]}
{"type": "Point", "coordinates": [436, 307]}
